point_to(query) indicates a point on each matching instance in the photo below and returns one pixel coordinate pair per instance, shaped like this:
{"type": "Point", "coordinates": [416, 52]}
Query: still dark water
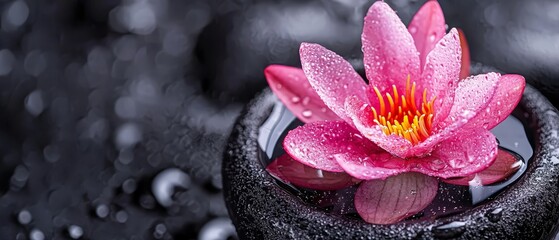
{"type": "Point", "coordinates": [451, 199]}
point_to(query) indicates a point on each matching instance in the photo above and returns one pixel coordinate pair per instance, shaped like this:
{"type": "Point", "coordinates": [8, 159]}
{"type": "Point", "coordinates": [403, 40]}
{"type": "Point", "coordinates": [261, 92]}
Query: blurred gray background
{"type": "Point", "coordinates": [114, 114]}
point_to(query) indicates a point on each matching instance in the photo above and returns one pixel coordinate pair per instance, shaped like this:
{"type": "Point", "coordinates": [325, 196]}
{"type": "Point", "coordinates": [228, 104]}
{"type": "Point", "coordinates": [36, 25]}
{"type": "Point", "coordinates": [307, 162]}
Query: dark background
{"type": "Point", "coordinates": [114, 114]}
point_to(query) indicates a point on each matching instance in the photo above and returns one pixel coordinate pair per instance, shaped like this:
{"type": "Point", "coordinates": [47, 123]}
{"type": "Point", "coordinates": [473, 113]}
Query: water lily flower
{"type": "Point", "coordinates": [415, 121]}
{"type": "Point", "coordinates": [291, 85]}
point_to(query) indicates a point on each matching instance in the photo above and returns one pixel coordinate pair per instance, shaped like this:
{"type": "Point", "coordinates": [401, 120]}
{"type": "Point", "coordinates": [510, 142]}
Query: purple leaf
{"type": "Point", "coordinates": [396, 198]}
{"type": "Point", "coordinates": [298, 174]}
{"type": "Point", "coordinates": [505, 165]}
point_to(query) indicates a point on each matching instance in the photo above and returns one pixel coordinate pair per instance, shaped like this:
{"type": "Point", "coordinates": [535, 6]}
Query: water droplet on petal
{"type": "Point", "coordinates": [432, 37]}
{"type": "Point", "coordinates": [307, 113]}
{"type": "Point", "coordinates": [413, 29]}
{"type": "Point", "coordinates": [437, 165]}
{"type": "Point", "coordinates": [295, 99]}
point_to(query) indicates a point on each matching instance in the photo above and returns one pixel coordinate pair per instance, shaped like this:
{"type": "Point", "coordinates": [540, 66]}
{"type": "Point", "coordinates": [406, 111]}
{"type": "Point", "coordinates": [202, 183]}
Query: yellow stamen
{"type": "Point", "coordinates": [402, 116]}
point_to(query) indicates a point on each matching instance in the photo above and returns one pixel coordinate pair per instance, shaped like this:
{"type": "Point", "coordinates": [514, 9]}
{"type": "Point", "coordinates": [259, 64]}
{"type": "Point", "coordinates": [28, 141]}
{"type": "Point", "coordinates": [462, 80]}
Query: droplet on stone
{"type": "Point", "coordinates": [494, 215]}
{"type": "Point", "coordinates": [166, 183]}
{"type": "Point", "coordinates": [19, 178]}
{"type": "Point", "coordinates": [24, 217]}
{"type": "Point", "coordinates": [102, 211]}
{"type": "Point", "coordinates": [217, 229]}
{"type": "Point", "coordinates": [121, 216]}
{"type": "Point", "coordinates": [138, 18]}
{"type": "Point", "coordinates": [449, 230]}
{"type": "Point", "coordinates": [126, 156]}
{"type": "Point", "coordinates": [147, 202]}
{"type": "Point", "coordinates": [34, 103]}
{"type": "Point", "coordinates": [36, 234]}
{"type": "Point", "coordinates": [128, 135]}
{"type": "Point", "coordinates": [159, 231]}
{"type": "Point", "coordinates": [75, 231]}
{"type": "Point", "coordinates": [129, 186]}
{"type": "Point", "coordinates": [51, 153]}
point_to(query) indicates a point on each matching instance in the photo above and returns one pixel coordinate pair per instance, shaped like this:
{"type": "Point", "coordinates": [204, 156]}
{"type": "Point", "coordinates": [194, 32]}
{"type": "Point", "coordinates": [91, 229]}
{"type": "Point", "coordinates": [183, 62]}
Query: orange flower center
{"type": "Point", "coordinates": [401, 116]}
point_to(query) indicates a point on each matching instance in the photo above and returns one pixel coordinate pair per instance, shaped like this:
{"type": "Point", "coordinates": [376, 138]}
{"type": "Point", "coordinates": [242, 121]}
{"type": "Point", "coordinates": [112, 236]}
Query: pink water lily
{"type": "Point", "coordinates": [292, 86]}
{"type": "Point", "coordinates": [413, 123]}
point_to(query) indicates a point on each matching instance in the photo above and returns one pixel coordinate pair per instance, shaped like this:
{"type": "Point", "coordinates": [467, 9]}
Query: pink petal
{"type": "Point", "coordinates": [291, 171]}
{"type": "Point", "coordinates": [362, 117]}
{"type": "Point", "coordinates": [462, 155]}
{"type": "Point", "coordinates": [507, 95]}
{"type": "Point", "coordinates": [465, 68]}
{"type": "Point", "coordinates": [427, 27]}
{"type": "Point", "coordinates": [456, 157]}
{"type": "Point", "coordinates": [371, 165]}
{"type": "Point", "coordinates": [504, 166]}
{"type": "Point", "coordinates": [389, 52]}
{"type": "Point", "coordinates": [396, 198]}
{"type": "Point", "coordinates": [472, 96]}
{"type": "Point", "coordinates": [291, 86]}
{"type": "Point", "coordinates": [331, 76]}
{"type": "Point", "coordinates": [442, 73]}
{"type": "Point", "coordinates": [315, 144]}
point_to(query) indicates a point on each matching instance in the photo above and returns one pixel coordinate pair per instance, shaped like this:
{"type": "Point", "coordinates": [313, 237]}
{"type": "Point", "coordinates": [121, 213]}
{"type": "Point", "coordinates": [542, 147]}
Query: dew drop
{"type": "Point", "coordinates": [432, 37]}
{"type": "Point", "coordinates": [166, 183]}
{"type": "Point", "coordinates": [449, 230]}
{"type": "Point", "coordinates": [24, 217]}
{"type": "Point", "coordinates": [307, 113]}
{"type": "Point", "coordinates": [36, 234]}
{"type": "Point", "coordinates": [102, 211]}
{"type": "Point", "coordinates": [121, 216]}
{"type": "Point", "coordinates": [75, 231]}
{"type": "Point", "coordinates": [494, 215]}
{"type": "Point", "coordinates": [129, 186]}
{"type": "Point", "coordinates": [413, 29]}
{"type": "Point", "coordinates": [34, 103]}
{"type": "Point", "coordinates": [295, 99]}
{"type": "Point", "coordinates": [159, 231]}
{"type": "Point", "coordinates": [217, 229]}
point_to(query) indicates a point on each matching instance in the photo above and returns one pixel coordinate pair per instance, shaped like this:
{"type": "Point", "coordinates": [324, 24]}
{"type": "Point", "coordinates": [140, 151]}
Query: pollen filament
{"type": "Point", "coordinates": [398, 114]}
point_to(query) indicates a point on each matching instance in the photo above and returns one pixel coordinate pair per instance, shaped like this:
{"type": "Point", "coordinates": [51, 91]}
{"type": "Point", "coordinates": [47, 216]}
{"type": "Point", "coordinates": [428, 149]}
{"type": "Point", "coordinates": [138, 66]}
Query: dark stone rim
{"type": "Point", "coordinates": [262, 210]}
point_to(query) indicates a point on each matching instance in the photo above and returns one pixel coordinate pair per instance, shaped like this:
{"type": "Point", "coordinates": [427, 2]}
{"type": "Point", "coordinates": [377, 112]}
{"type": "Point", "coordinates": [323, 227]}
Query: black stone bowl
{"type": "Point", "coordinates": [260, 209]}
